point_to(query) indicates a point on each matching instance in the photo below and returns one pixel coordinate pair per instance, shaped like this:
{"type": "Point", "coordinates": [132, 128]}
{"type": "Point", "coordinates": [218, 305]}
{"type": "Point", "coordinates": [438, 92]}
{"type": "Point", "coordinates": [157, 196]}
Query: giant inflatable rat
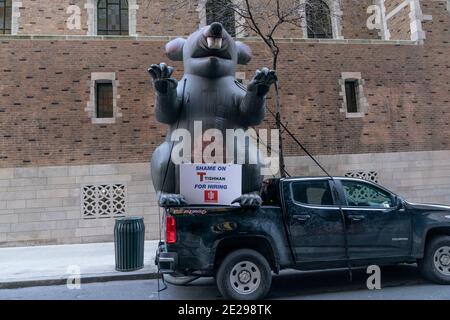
{"type": "Point", "coordinates": [209, 93]}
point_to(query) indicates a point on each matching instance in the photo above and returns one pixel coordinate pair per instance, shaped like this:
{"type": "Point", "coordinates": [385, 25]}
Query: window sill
{"type": "Point", "coordinates": [104, 120]}
{"type": "Point", "coordinates": [246, 39]}
{"type": "Point", "coordinates": [354, 115]}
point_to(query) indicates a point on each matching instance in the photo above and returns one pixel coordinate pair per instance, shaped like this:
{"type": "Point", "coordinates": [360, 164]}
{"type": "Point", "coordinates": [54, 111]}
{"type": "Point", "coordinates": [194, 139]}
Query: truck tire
{"type": "Point", "coordinates": [244, 275]}
{"type": "Point", "coordinates": [435, 265]}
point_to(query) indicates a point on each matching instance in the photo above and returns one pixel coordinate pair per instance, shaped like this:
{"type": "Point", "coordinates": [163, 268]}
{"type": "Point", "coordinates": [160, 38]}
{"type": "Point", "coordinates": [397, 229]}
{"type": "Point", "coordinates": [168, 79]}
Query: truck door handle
{"type": "Point", "coordinates": [302, 218]}
{"type": "Point", "coordinates": [355, 217]}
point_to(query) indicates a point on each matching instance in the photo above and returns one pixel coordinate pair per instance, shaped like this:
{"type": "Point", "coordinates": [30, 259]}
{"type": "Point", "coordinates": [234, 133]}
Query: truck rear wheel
{"type": "Point", "coordinates": [435, 265]}
{"type": "Point", "coordinates": [244, 275]}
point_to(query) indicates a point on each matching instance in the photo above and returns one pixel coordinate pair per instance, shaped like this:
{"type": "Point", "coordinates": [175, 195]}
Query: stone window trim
{"type": "Point", "coordinates": [91, 8]}
{"type": "Point", "coordinates": [416, 17]}
{"type": "Point", "coordinates": [363, 105]}
{"type": "Point", "coordinates": [383, 32]}
{"type": "Point", "coordinates": [336, 18]}
{"type": "Point", "coordinates": [370, 175]}
{"type": "Point", "coordinates": [15, 16]}
{"type": "Point", "coordinates": [91, 109]}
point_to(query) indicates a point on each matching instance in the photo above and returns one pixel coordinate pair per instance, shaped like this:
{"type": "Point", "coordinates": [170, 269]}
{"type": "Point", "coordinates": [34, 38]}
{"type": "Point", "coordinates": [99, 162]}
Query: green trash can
{"type": "Point", "coordinates": [129, 235]}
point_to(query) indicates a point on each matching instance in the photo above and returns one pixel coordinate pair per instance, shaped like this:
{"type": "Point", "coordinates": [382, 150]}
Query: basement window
{"type": "Point", "coordinates": [351, 87]}
{"type": "Point", "coordinates": [104, 100]}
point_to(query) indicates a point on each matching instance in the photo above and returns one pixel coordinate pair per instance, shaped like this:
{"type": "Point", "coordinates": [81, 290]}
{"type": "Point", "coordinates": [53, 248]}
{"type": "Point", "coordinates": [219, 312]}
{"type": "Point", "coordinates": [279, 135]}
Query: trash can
{"type": "Point", "coordinates": [129, 236]}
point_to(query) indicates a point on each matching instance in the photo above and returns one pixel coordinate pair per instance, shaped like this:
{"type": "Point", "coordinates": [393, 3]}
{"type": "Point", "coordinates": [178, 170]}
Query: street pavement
{"type": "Point", "coordinates": [398, 283]}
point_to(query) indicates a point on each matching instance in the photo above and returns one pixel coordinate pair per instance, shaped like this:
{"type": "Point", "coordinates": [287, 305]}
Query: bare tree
{"type": "Point", "coordinates": [264, 19]}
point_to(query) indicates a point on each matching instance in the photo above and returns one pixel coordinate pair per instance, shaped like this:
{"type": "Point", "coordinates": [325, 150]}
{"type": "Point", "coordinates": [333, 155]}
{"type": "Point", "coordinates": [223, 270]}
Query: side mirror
{"type": "Point", "coordinates": [398, 203]}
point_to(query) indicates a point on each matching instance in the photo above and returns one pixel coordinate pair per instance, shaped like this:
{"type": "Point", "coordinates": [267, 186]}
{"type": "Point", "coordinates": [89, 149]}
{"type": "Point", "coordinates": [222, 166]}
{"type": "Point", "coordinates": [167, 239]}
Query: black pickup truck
{"type": "Point", "coordinates": [305, 224]}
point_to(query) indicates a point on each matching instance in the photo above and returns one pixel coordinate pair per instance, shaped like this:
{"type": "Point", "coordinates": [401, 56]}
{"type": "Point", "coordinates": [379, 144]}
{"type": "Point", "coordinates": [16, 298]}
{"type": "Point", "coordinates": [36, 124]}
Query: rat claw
{"type": "Point", "coordinates": [156, 69]}
{"type": "Point", "coordinates": [169, 72]}
{"type": "Point", "coordinates": [164, 70]}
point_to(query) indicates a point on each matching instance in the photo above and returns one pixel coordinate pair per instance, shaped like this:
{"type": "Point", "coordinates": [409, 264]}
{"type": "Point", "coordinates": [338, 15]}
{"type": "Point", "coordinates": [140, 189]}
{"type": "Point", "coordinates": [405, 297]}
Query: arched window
{"type": "Point", "coordinates": [221, 11]}
{"type": "Point", "coordinates": [318, 19]}
{"type": "Point", "coordinates": [112, 17]}
{"type": "Point", "coordinates": [5, 16]}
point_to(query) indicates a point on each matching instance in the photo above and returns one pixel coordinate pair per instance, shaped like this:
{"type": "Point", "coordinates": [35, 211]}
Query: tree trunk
{"type": "Point", "coordinates": [275, 52]}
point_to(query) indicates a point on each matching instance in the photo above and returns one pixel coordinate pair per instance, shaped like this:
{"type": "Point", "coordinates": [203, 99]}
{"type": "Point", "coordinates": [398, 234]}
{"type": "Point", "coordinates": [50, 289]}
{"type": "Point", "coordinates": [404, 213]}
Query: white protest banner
{"type": "Point", "coordinates": [210, 184]}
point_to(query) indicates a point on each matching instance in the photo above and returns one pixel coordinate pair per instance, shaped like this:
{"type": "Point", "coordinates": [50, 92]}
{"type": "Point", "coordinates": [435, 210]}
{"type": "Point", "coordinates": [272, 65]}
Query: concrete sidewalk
{"type": "Point", "coordinates": [51, 265]}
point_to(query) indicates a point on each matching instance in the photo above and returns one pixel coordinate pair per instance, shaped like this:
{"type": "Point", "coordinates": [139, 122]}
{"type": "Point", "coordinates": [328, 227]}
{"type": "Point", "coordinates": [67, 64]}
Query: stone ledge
{"type": "Point", "coordinates": [168, 38]}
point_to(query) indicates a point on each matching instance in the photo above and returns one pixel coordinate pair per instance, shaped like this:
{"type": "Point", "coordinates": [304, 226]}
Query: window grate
{"type": "Point", "coordinates": [104, 201]}
{"type": "Point", "coordinates": [365, 175]}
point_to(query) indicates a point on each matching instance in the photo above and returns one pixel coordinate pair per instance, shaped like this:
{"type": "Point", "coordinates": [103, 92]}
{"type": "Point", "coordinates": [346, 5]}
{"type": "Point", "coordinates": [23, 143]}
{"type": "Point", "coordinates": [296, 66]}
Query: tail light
{"type": "Point", "coordinates": [171, 230]}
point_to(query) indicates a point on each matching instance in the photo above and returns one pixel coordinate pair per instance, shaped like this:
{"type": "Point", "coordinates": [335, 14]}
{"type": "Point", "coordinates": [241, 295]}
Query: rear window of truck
{"type": "Point", "coordinates": [317, 192]}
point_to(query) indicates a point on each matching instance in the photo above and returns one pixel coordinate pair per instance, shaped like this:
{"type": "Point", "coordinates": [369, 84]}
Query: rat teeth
{"type": "Point", "coordinates": [214, 43]}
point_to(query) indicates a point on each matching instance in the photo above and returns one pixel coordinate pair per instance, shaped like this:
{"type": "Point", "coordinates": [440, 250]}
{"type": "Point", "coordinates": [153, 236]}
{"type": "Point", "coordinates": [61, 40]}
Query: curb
{"type": "Point", "coordinates": [84, 280]}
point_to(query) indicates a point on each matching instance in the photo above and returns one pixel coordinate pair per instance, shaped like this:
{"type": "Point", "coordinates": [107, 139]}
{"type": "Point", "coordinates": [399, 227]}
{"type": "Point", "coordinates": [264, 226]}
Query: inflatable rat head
{"type": "Point", "coordinates": [209, 52]}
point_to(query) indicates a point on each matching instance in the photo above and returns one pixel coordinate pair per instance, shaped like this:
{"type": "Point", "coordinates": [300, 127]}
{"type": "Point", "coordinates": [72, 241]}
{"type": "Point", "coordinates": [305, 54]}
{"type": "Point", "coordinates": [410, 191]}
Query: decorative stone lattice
{"type": "Point", "coordinates": [363, 194]}
{"type": "Point", "coordinates": [356, 196]}
{"type": "Point", "coordinates": [104, 201]}
{"type": "Point", "coordinates": [368, 176]}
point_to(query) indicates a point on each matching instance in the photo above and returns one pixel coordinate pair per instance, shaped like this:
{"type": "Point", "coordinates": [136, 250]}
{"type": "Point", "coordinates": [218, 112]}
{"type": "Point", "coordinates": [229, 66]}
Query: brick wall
{"type": "Point", "coordinates": [399, 24]}
{"type": "Point", "coordinates": [45, 89]}
{"type": "Point", "coordinates": [49, 17]}
{"type": "Point", "coordinates": [437, 29]}
{"type": "Point", "coordinates": [354, 20]}
{"type": "Point", "coordinates": [49, 147]}
{"type": "Point", "coordinates": [156, 18]}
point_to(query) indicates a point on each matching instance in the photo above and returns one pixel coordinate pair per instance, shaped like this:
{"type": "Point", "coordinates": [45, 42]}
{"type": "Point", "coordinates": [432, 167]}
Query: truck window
{"type": "Point", "coordinates": [312, 192]}
{"type": "Point", "coordinates": [360, 194]}
{"type": "Point", "coordinates": [270, 191]}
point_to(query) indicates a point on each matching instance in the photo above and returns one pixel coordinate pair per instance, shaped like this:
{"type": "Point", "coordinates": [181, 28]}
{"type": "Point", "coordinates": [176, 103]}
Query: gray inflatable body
{"type": "Point", "coordinates": [208, 92]}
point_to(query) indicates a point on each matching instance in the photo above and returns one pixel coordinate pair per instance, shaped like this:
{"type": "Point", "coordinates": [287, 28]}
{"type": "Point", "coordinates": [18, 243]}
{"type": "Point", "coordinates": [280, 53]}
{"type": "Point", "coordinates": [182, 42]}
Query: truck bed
{"type": "Point", "coordinates": [200, 230]}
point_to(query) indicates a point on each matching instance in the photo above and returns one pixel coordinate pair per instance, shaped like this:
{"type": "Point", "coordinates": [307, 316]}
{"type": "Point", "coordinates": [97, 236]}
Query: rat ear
{"type": "Point", "coordinates": [244, 53]}
{"type": "Point", "coordinates": [174, 49]}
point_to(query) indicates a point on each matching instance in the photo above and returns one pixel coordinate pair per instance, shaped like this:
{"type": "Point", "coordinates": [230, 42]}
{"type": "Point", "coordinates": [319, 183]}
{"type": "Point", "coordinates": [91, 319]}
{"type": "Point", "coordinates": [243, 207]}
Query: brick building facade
{"type": "Point", "coordinates": [56, 158]}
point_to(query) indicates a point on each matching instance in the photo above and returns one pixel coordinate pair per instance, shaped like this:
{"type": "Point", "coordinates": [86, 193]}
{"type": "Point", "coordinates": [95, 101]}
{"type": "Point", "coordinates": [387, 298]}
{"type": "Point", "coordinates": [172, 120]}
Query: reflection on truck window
{"type": "Point", "coordinates": [359, 194]}
{"type": "Point", "coordinates": [312, 192]}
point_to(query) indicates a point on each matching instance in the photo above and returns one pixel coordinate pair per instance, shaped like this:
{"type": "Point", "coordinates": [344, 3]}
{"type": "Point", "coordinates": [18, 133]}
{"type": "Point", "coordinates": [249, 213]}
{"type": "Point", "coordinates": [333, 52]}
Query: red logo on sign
{"type": "Point", "coordinates": [211, 196]}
